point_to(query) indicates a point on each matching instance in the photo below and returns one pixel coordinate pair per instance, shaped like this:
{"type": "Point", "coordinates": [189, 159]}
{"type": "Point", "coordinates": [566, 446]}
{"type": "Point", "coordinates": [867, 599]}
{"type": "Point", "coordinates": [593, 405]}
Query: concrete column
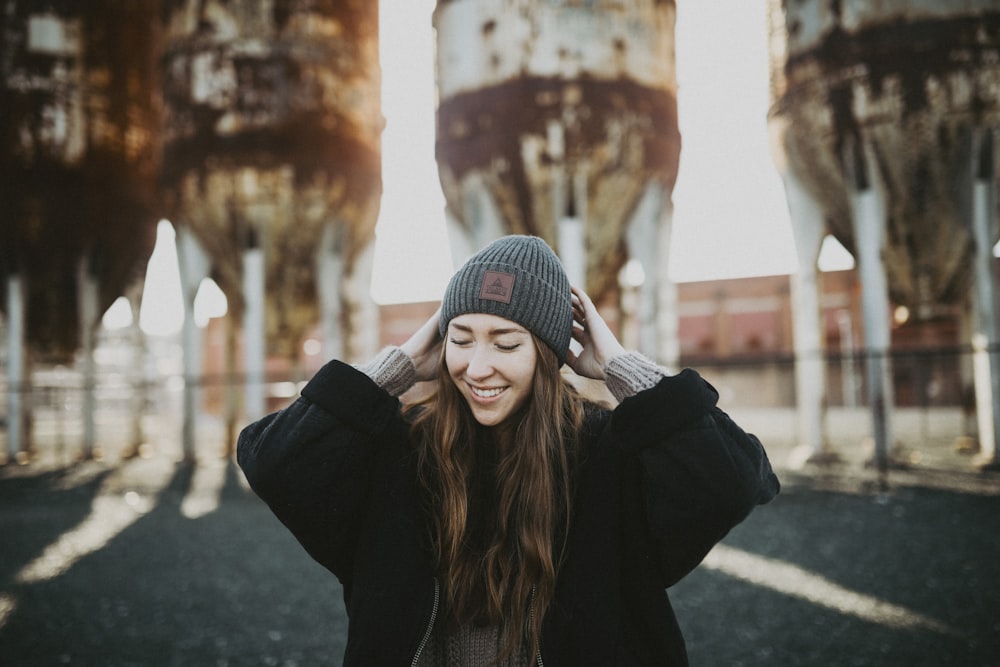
{"type": "Point", "coordinates": [868, 212]}
{"type": "Point", "coordinates": [232, 407]}
{"type": "Point", "coordinates": [480, 223]}
{"type": "Point", "coordinates": [138, 371]}
{"type": "Point", "coordinates": [986, 321]}
{"type": "Point", "coordinates": [667, 308]}
{"type": "Point", "coordinates": [848, 380]}
{"type": "Point", "coordinates": [648, 240]}
{"type": "Point", "coordinates": [809, 228]}
{"type": "Point", "coordinates": [87, 307]}
{"type": "Point", "coordinates": [572, 250]}
{"type": "Point", "coordinates": [571, 233]}
{"type": "Point", "coordinates": [362, 334]}
{"type": "Point", "coordinates": [192, 262]}
{"type": "Point", "coordinates": [254, 333]}
{"type": "Point", "coordinates": [16, 381]}
{"type": "Point", "coordinates": [329, 277]}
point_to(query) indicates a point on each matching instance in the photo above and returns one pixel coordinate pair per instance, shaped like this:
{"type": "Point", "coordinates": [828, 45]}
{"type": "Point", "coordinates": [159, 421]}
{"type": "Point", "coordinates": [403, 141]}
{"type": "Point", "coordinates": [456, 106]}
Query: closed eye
{"type": "Point", "coordinates": [460, 343]}
{"type": "Point", "coordinates": [508, 348]}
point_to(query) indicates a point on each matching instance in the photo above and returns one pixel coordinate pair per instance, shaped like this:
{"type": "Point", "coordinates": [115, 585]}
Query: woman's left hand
{"type": "Point", "coordinates": [599, 344]}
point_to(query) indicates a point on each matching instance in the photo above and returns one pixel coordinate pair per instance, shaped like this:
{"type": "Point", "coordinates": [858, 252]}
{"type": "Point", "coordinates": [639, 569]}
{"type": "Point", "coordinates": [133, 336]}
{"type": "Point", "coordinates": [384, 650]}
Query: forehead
{"type": "Point", "coordinates": [485, 323]}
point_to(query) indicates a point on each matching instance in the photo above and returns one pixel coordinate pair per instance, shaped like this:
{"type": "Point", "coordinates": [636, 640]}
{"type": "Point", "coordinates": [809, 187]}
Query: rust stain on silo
{"type": "Point", "coordinates": [543, 106]}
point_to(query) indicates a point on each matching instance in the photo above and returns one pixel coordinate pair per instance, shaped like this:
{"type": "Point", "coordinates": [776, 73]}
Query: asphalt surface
{"type": "Point", "coordinates": [151, 562]}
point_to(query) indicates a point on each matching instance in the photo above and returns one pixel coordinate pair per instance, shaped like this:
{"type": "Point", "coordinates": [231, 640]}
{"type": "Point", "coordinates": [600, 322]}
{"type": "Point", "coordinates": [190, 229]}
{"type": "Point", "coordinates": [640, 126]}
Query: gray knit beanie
{"type": "Point", "coordinates": [520, 279]}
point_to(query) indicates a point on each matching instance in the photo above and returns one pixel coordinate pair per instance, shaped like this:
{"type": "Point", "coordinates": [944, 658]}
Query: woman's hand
{"type": "Point", "coordinates": [424, 348]}
{"type": "Point", "coordinates": [594, 336]}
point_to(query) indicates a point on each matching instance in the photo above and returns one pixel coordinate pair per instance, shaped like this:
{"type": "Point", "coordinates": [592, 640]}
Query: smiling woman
{"type": "Point", "coordinates": [492, 363]}
{"type": "Point", "coordinates": [503, 498]}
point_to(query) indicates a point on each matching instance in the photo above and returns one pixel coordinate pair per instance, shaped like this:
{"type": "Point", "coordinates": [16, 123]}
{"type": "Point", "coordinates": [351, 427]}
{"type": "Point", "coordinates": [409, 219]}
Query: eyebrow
{"type": "Point", "coordinates": [491, 332]}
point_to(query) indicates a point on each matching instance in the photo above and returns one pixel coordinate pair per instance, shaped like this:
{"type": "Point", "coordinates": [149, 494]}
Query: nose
{"type": "Point", "coordinates": [480, 364]}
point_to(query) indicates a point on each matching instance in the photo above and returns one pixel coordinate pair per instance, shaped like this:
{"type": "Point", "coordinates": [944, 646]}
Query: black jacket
{"type": "Point", "coordinates": [665, 476]}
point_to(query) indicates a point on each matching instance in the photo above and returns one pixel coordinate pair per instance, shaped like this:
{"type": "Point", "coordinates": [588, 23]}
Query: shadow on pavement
{"type": "Point", "coordinates": [154, 563]}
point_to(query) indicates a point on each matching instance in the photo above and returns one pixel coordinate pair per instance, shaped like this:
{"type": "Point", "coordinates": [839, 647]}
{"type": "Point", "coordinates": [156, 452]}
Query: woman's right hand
{"type": "Point", "coordinates": [424, 348]}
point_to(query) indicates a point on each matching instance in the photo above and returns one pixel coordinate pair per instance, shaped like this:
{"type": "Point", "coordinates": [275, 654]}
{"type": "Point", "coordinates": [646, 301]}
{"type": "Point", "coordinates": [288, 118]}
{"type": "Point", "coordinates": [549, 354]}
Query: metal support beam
{"type": "Point", "coordinates": [667, 309]}
{"type": "Point", "coordinates": [254, 332]}
{"type": "Point", "coordinates": [809, 228]}
{"type": "Point", "coordinates": [16, 380]}
{"type": "Point", "coordinates": [87, 304]}
{"type": "Point", "coordinates": [329, 282]}
{"type": "Point", "coordinates": [193, 263]}
{"type": "Point", "coordinates": [648, 238]}
{"type": "Point", "coordinates": [362, 326]}
{"type": "Point", "coordinates": [137, 372]}
{"type": "Point", "coordinates": [868, 213]}
{"type": "Point", "coordinates": [986, 321]}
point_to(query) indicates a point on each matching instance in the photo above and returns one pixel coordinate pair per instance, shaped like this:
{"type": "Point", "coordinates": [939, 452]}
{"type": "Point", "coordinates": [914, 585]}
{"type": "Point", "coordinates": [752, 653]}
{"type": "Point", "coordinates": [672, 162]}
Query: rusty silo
{"type": "Point", "coordinates": [272, 157]}
{"type": "Point", "coordinates": [885, 115]}
{"type": "Point", "coordinates": [560, 119]}
{"type": "Point", "coordinates": [79, 122]}
{"type": "Point", "coordinates": [78, 158]}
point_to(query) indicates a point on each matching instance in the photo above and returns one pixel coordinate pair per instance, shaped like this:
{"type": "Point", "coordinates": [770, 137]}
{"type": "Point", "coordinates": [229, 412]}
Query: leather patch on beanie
{"type": "Point", "coordinates": [497, 286]}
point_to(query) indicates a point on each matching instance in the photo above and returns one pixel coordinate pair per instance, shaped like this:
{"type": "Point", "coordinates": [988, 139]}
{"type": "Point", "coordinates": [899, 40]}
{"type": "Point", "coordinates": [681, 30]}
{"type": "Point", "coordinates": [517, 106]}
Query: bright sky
{"type": "Point", "coordinates": [730, 215]}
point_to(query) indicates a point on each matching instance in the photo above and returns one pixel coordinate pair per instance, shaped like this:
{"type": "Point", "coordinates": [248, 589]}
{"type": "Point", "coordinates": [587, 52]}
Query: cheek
{"type": "Point", "coordinates": [453, 362]}
{"type": "Point", "coordinates": [525, 373]}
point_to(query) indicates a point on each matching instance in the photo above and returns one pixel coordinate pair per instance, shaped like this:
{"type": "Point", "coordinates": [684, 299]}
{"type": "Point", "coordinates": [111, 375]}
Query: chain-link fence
{"type": "Point", "coordinates": [138, 398]}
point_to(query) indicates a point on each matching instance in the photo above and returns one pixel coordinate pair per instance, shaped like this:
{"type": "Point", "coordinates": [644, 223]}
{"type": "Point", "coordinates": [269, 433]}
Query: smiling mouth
{"type": "Point", "coordinates": [487, 393]}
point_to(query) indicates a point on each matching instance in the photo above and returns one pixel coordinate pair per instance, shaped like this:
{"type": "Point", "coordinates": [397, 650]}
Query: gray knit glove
{"type": "Point", "coordinates": [392, 369]}
{"type": "Point", "coordinates": [629, 373]}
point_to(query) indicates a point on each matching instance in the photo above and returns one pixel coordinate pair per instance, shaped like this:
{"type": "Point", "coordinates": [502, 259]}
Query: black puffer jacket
{"type": "Point", "coordinates": [665, 477]}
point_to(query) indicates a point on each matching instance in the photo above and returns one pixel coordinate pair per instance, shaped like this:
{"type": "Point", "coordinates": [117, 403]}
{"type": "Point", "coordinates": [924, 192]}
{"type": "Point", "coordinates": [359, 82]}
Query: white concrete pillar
{"type": "Point", "coordinates": [88, 294]}
{"type": "Point", "coordinates": [17, 383]}
{"type": "Point", "coordinates": [480, 223]}
{"type": "Point", "coordinates": [809, 230]}
{"type": "Point", "coordinates": [868, 212]}
{"type": "Point", "coordinates": [362, 333]}
{"type": "Point", "coordinates": [572, 250]}
{"type": "Point", "coordinates": [232, 400]}
{"type": "Point", "coordinates": [648, 241]}
{"type": "Point", "coordinates": [254, 333]}
{"type": "Point", "coordinates": [329, 276]}
{"type": "Point", "coordinates": [986, 321]}
{"type": "Point", "coordinates": [668, 311]}
{"type": "Point", "coordinates": [848, 380]}
{"type": "Point", "coordinates": [192, 262]}
{"type": "Point", "coordinates": [138, 370]}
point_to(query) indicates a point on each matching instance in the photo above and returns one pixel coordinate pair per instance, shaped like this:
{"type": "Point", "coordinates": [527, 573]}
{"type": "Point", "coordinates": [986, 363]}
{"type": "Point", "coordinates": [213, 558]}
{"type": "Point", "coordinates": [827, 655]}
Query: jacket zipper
{"type": "Point", "coordinates": [531, 625]}
{"type": "Point", "coordinates": [430, 625]}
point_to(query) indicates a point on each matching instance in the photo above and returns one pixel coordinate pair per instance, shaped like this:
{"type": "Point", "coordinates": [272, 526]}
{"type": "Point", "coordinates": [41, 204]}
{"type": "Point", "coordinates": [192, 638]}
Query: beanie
{"type": "Point", "coordinates": [518, 278]}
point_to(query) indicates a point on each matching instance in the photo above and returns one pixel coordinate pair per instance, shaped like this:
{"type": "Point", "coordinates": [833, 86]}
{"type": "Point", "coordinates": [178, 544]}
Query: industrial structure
{"type": "Point", "coordinates": [255, 125]}
{"type": "Point", "coordinates": [884, 117]}
{"type": "Point", "coordinates": [559, 119]}
{"type": "Point", "coordinates": [272, 173]}
{"type": "Point", "coordinates": [79, 158]}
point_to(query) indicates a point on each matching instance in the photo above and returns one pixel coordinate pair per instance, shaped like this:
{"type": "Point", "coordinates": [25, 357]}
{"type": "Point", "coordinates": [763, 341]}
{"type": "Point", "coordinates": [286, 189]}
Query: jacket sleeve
{"type": "Point", "coordinates": [699, 474]}
{"type": "Point", "coordinates": [312, 462]}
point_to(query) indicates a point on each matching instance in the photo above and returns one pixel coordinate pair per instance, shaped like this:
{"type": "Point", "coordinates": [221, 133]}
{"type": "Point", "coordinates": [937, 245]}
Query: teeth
{"type": "Point", "coordinates": [486, 393]}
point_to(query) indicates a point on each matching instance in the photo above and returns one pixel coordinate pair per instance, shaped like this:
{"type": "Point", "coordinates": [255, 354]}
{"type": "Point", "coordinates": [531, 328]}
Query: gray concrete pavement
{"type": "Point", "coordinates": [152, 562]}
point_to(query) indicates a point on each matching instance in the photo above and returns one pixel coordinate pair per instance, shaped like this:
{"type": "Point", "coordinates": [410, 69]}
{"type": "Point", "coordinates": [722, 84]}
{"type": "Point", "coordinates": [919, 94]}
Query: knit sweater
{"type": "Point", "coordinates": [661, 478]}
{"type": "Point", "coordinates": [469, 646]}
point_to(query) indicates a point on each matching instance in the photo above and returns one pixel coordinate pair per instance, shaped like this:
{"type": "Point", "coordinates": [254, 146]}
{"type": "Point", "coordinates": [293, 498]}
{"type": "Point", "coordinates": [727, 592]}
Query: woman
{"type": "Point", "coordinates": [504, 520]}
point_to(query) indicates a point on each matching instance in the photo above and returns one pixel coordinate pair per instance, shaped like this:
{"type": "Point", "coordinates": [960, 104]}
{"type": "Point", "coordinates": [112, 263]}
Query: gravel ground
{"type": "Point", "coordinates": [149, 562]}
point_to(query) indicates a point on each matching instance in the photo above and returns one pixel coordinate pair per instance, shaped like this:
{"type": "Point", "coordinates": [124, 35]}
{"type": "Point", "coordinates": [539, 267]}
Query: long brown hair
{"type": "Point", "coordinates": [500, 500]}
